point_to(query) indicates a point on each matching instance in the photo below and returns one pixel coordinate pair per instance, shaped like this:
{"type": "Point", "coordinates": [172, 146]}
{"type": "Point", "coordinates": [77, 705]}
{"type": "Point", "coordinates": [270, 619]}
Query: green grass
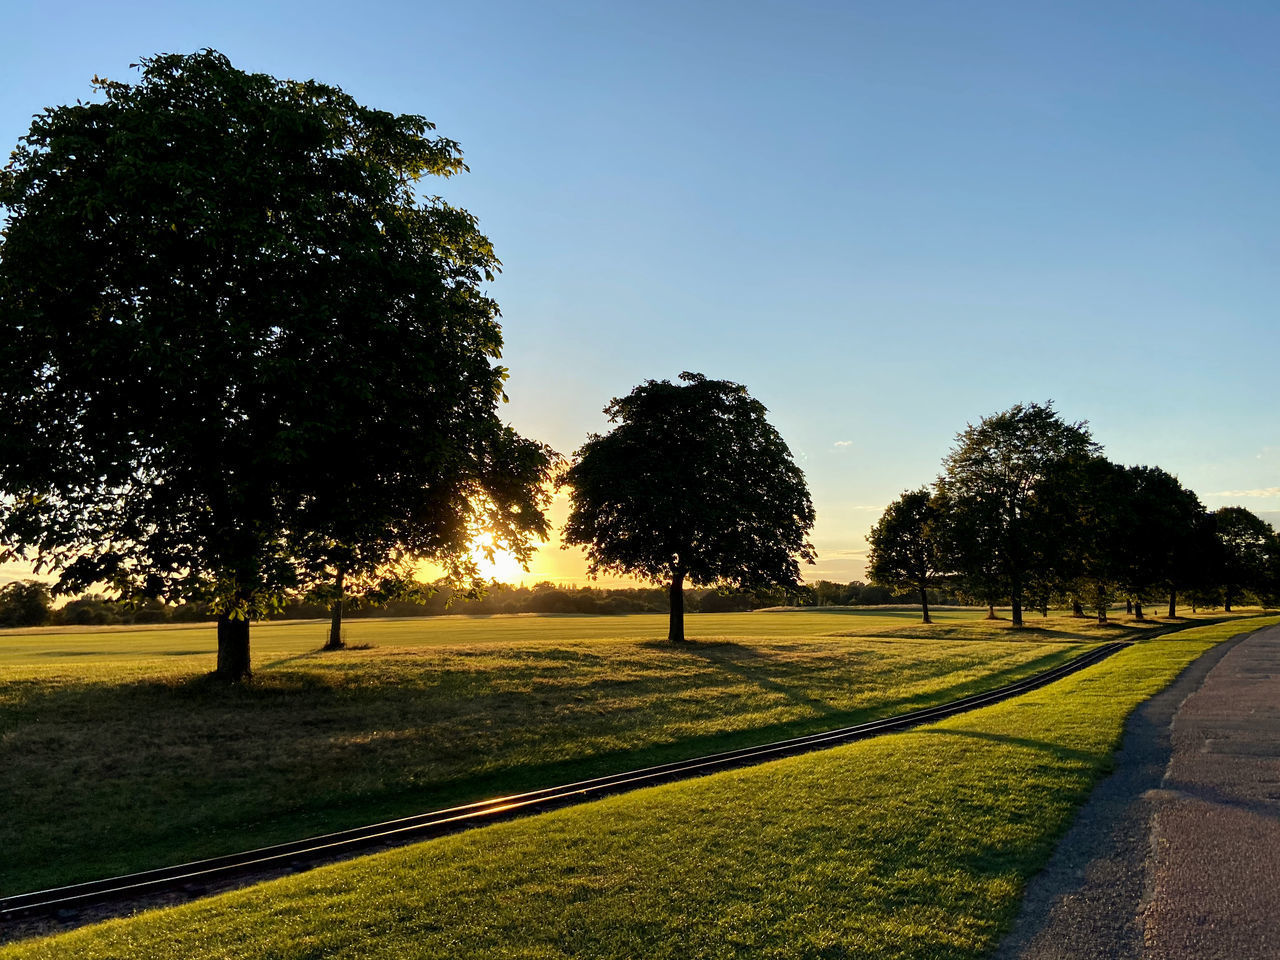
{"type": "Point", "coordinates": [147, 763]}
{"type": "Point", "coordinates": [119, 652]}
{"type": "Point", "coordinates": [915, 845]}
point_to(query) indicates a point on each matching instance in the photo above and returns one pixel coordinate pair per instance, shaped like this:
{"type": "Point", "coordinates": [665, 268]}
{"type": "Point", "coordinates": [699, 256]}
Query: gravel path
{"type": "Point", "coordinates": [1176, 856]}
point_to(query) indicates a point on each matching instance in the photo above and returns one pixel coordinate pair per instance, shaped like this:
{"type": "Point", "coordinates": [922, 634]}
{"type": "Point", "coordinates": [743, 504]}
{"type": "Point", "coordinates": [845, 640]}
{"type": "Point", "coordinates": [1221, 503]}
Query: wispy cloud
{"type": "Point", "coordinates": [844, 443]}
{"type": "Point", "coordinates": [840, 554]}
{"type": "Point", "coordinates": [1263, 492]}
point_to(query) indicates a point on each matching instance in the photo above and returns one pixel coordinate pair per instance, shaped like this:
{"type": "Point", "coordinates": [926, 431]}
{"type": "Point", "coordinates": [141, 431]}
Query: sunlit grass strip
{"type": "Point", "coordinates": [910, 846]}
{"type": "Point", "coordinates": [143, 774]}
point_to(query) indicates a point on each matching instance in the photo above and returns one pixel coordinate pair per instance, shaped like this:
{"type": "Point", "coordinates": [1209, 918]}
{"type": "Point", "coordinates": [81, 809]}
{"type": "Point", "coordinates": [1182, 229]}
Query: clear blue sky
{"type": "Point", "coordinates": [886, 219]}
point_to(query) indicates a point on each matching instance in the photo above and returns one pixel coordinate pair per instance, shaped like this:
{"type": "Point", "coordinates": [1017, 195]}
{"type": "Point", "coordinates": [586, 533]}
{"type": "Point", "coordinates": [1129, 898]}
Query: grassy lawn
{"type": "Point", "coordinates": [915, 845]}
{"type": "Point", "coordinates": [143, 762]}
{"type": "Point", "coordinates": [115, 653]}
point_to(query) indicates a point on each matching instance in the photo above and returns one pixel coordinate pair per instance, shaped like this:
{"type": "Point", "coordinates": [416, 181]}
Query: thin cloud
{"type": "Point", "coordinates": [844, 443]}
{"type": "Point", "coordinates": [1264, 492]}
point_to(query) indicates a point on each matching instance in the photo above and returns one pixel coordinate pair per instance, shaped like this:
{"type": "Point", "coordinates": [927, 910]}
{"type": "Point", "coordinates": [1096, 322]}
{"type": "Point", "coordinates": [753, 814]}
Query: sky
{"type": "Point", "coordinates": [886, 219]}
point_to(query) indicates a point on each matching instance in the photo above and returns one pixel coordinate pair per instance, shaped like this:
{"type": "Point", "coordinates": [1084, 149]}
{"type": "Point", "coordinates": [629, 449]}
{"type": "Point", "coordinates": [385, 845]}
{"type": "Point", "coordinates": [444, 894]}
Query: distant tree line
{"type": "Point", "coordinates": [1027, 512]}
{"type": "Point", "coordinates": [28, 603]}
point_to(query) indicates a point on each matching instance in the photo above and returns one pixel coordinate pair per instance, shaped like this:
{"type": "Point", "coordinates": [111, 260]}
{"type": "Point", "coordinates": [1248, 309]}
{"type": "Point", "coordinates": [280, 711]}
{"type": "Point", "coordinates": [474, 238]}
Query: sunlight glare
{"type": "Point", "coordinates": [504, 567]}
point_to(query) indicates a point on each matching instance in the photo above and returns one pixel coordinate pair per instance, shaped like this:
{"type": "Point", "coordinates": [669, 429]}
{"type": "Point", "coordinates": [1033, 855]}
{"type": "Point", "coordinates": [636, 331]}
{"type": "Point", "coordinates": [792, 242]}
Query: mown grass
{"type": "Point", "coordinates": [117, 753]}
{"type": "Point", "coordinates": [114, 653]}
{"type": "Point", "coordinates": [914, 845]}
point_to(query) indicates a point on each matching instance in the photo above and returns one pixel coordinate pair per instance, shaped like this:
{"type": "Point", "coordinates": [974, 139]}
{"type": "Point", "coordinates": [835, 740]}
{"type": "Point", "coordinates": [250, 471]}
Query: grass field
{"type": "Point", "coordinates": [914, 846]}
{"type": "Point", "coordinates": [127, 651]}
{"type": "Point", "coordinates": [117, 754]}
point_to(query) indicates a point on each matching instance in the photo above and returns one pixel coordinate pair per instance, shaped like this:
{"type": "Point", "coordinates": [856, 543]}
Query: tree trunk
{"type": "Point", "coordinates": [335, 623]}
{"type": "Point", "coordinates": [924, 605]}
{"type": "Point", "coordinates": [676, 632]}
{"type": "Point", "coordinates": [991, 611]}
{"type": "Point", "coordinates": [1228, 596]}
{"type": "Point", "coordinates": [233, 648]}
{"type": "Point", "coordinates": [1044, 608]}
{"type": "Point", "coordinates": [1015, 602]}
{"type": "Point", "coordinates": [1076, 609]}
{"type": "Point", "coordinates": [1137, 610]}
{"type": "Point", "coordinates": [1173, 604]}
{"type": "Point", "coordinates": [1128, 605]}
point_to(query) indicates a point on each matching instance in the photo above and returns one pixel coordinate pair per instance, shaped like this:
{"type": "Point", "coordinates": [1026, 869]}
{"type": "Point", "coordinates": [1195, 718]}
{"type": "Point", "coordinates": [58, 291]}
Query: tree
{"type": "Point", "coordinates": [25, 603]}
{"type": "Point", "coordinates": [692, 484]}
{"type": "Point", "coordinates": [904, 552]}
{"type": "Point", "coordinates": [1245, 539]}
{"type": "Point", "coordinates": [241, 354]}
{"type": "Point", "coordinates": [1099, 544]}
{"type": "Point", "coordinates": [1165, 520]}
{"type": "Point", "coordinates": [1269, 591]}
{"type": "Point", "coordinates": [998, 529]}
{"type": "Point", "coordinates": [1196, 564]}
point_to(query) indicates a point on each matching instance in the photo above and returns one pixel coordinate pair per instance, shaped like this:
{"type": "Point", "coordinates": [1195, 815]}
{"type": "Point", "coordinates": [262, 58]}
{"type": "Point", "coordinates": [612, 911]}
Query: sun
{"type": "Point", "coordinates": [504, 567]}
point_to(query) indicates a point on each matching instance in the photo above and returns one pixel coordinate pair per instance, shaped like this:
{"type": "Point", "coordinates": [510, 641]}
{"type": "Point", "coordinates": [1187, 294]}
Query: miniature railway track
{"type": "Point", "coordinates": [202, 876]}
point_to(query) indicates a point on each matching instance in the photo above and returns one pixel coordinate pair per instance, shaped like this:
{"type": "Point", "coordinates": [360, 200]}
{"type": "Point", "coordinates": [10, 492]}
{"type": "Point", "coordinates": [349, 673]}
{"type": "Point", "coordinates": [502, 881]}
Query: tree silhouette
{"type": "Point", "coordinates": [24, 603]}
{"type": "Point", "coordinates": [240, 353]}
{"type": "Point", "coordinates": [1245, 541]}
{"type": "Point", "coordinates": [691, 484]}
{"type": "Point", "coordinates": [992, 477]}
{"type": "Point", "coordinates": [904, 548]}
{"type": "Point", "coordinates": [1165, 520]}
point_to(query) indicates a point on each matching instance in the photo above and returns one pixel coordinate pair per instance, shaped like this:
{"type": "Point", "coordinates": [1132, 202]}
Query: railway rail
{"type": "Point", "coordinates": [202, 876]}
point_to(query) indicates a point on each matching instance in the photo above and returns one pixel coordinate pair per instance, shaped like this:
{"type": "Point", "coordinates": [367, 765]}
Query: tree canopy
{"type": "Point", "coordinates": [904, 550]}
{"type": "Point", "coordinates": [1245, 546]}
{"type": "Point", "coordinates": [241, 352]}
{"type": "Point", "coordinates": [24, 603]}
{"type": "Point", "coordinates": [692, 483]}
{"type": "Point", "coordinates": [992, 477]}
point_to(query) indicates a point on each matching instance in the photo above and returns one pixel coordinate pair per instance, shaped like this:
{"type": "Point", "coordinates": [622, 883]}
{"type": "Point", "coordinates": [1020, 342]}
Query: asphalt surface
{"type": "Point", "coordinates": [1176, 856]}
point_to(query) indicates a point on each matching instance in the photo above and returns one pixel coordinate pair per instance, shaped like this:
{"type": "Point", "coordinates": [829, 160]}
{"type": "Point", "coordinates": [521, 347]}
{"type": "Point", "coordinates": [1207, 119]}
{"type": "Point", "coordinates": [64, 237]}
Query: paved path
{"type": "Point", "coordinates": [1177, 855]}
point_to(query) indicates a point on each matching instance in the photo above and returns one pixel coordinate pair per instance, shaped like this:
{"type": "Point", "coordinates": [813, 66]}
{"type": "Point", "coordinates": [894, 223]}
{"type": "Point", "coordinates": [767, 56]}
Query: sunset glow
{"type": "Point", "coordinates": [495, 563]}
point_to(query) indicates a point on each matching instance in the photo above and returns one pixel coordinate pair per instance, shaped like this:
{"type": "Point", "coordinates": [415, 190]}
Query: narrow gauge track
{"type": "Point", "coordinates": [221, 872]}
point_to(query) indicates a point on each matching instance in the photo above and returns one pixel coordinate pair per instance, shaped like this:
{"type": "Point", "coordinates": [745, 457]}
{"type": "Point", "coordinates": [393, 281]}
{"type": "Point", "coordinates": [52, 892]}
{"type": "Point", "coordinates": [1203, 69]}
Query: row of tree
{"type": "Point", "coordinates": [245, 356]}
{"type": "Point", "coordinates": [30, 603]}
{"type": "Point", "coordinates": [1028, 512]}
{"type": "Point", "coordinates": [273, 370]}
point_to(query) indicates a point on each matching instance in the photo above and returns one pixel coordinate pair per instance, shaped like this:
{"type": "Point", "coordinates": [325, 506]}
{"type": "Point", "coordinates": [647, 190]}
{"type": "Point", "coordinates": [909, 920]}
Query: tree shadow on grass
{"type": "Point", "coordinates": [1055, 750]}
{"type": "Point", "coordinates": [317, 752]}
{"type": "Point", "coordinates": [754, 666]}
{"type": "Point", "coordinates": [1083, 630]}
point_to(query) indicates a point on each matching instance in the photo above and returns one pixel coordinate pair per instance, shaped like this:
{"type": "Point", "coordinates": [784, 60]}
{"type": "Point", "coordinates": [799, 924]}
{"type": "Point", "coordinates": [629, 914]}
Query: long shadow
{"type": "Point", "coordinates": [738, 660]}
{"type": "Point", "coordinates": [400, 800]}
{"type": "Point", "coordinates": [294, 659]}
{"type": "Point", "coordinates": [320, 810]}
{"type": "Point", "coordinates": [1089, 631]}
{"type": "Point", "coordinates": [1207, 793]}
{"type": "Point", "coordinates": [1057, 751]}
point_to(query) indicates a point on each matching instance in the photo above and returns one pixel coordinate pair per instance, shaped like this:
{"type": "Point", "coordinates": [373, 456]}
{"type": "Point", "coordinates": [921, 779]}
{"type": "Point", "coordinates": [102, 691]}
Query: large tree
{"type": "Point", "coordinates": [904, 546]}
{"type": "Point", "coordinates": [999, 526]}
{"type": "Point", "coordinates": [692, 484]}
{"type": "Point", "coordinates": [1245, 541]}
{"type": "Point", "coordinates": [241, 352]}
{"type": "Point", "coordinates": [1100, 544]}
{"type": "Point", "coordinates": [1166, 524]}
